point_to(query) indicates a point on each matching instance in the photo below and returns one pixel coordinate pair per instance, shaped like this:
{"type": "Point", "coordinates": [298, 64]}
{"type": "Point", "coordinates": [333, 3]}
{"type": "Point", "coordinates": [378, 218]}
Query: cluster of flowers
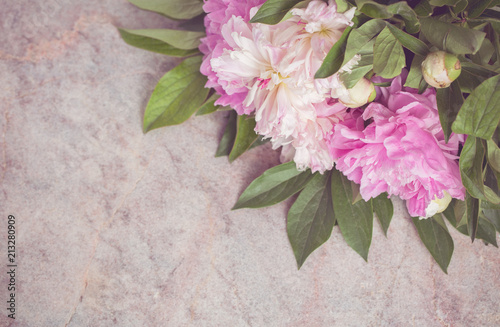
{"type": "Point", "coordinates": [394, 145]}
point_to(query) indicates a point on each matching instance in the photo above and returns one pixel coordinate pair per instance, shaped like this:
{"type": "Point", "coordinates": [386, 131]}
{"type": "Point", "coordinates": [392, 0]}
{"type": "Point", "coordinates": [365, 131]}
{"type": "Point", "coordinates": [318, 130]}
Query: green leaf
{"type": "Point", "coordinates": [373, 9]}
{"type": "Point", "coordinates": [471, 162]}
{"type": "Point", "coordinates": [412, 24]}
{"type": "Point", "coordinates": [227, 140]}
{"type": "Point", "coordinates": [272, 11]}
{"type": "Point", "coordinates": [449, 213]}
{"type": "Point", "coordinates": [486, 231]}
{"type": "Point", "coordinates": [479, 115]}
{"type": "Point", "coordinates": [178, 94]}
{"type": "Point", "coordinates": [388, 55]}
{"type": "Point", "coordinates": [411, 43]}
{"type": "Point", "coordinates": [383, 208]}
{"type": "Point", "coordinates": [177, 9]}
{"type": "Point", "coordinates": [360, 37]}
{"type": "Point", "coordinates": [163, 41]}
{"type": "Point", "coordinates": [209, 106]}
{"type": "Point", "coordinates": [436, 239]}
{"type": "Point", "coordinates": [363, 66]}
{"type": "Point", "coordinates": [333, 60]}
{"type": "Point", "coordinates": [477, 8]}
{"type": "Point", "coordinates": [311, 218]}
{"type": "Point", "coordinates": [493, 155]}
{"type": "Point", "coordinates": [424, 9]}
{"type": "Point", "coordinates": [472, 76]}
{"type": "Point", "coordinates": [451, 38]}
{"type": "Point", "coordinates": [449, 102]}
{"type": "Point", "coordinates": [273, 186]}
{"type": "Point", "coordinates": [415, 76]}
{"type": "Point", "coordinates": [355, 220]}
{"type": "Point", "coordinates": [472, 215]}
{"type": "Point", "coordinates": [493, 215]}
{"type": "Point", "coordinates": [440, 3]}
{"type": "Point", "coordinates": [245, 136]}
{"type": "Point", "coordinates": [342, 5]}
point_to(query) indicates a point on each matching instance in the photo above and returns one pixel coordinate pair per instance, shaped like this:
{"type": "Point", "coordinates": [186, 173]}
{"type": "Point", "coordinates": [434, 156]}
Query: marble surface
{"type": "Point", "coordinates": [118, 228]}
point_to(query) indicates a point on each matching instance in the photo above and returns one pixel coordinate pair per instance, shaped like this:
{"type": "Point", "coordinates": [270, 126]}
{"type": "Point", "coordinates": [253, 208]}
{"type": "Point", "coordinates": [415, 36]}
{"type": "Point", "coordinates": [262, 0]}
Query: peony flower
{"type": "Point", "coordinates": [268, 70]}
{"type": "Point", "coordinates": [401, 151]}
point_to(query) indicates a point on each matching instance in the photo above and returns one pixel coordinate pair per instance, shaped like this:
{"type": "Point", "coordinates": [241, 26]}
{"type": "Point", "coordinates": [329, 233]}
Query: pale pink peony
{"type": "Point", "coordinates": [268, 70]}
{"type": "Point", "coordinates": [402, 149]}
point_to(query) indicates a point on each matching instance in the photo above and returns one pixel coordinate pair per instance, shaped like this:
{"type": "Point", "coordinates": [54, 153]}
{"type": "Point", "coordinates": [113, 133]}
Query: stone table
{"type": "Point", "coordinates": [118, 228]}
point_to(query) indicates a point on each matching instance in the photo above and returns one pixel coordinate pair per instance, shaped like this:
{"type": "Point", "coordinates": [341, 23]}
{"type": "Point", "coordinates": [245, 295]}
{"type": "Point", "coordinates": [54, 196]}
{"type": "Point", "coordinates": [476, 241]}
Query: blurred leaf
{"type": "Point", "coordinates": [486, 231]}
{"type": "Point", "coordinates": [178, 94]}
{"type": "Point", "coordinates": [493, 215]}
{"type": "Point", "coordinates": [333, 61]}
{"type": "Point", "coordinates": [479, 115]}
{"type": "Point", "coordinates": [311, 218]}
{"type": "Point", "coordinates": [383, 208]}
{"type": "Point", "coordinates": [424, 9]}
{"type": "Point", "coordinates": [451, 38]}
{"type": "Point", "coordinates": [440, 3]}
{"type": "Point", "coordinates": [388, 55]}
{"type": "Point", "coordinates": [472, 76]}
{"type": "Point", "coordinates": [245, 136]}
{"type": "Point", "coordinates": [177, 9]}
{"type": "Point", "coordinates": [493, 155]}
{"type": "Point", "coordinates": [449, 102]}
{"type": "Point", "coordinates": [273, 186]}
{"type": "Point", "coordinates": [373, 9]}
{"type": "Point", "coordinates": [483, 56]}
{"type": "Point", "coordinates": [471, 162]}
{"type": "Point", "coordinates": [163, 41]}
{"type": "Point", "coordinates": [355, 220]}
{"type": "Point", "coordinates": [272, 11]}
{"type": "Point", "coordinates": [342, 5]}
{"type": "Point", "coordinates": [227, 140]}
{"type": "Point", "coordinates": [477, 8]}
{"type": "Point", "coordinates": [436, 239]}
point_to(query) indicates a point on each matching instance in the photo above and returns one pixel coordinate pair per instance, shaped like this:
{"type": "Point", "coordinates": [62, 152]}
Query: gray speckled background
{"type": "Point", "coordinates": [117, 228]}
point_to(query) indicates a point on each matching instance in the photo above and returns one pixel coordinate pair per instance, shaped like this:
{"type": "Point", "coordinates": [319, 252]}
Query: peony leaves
{"type": "Point", "coordinates": [335, 57]}
{"type": "Point", "coordinates": [436, 238]}
{"type": "Point", "coordinates": [178, 95]}
{"type": "Point", "coordinates": [176, 9]}
{"type": "Point", "coordinates": [479, 115]}
{"type": "Point", "coordinates": [449, 102]}
{"type": "Point", "coordinates": [355, 220]}
{"type": "Point", "coordinates": [169, 42]}
{"type": "Point", "coordinates": [383, 208]}
{"type": "Point", "coordinates": [273, 11]}
{"type": "Point", "coordinates": [311, 219]}
{"type": "Point", "coordinates": [273, 186]}
{"type": "Point", "coordinates": [245, 136]}
{"type": "Point", "coordinates": [389, 57]}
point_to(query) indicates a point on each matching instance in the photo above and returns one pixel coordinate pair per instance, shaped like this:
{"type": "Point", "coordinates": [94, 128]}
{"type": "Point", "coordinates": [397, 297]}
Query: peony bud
{"type": "Point", "coordinates": [438, 205]}
{"type": "Point", "coordinates": [362, 93]}
{"type": "Point", "coordinates": [440, 69]}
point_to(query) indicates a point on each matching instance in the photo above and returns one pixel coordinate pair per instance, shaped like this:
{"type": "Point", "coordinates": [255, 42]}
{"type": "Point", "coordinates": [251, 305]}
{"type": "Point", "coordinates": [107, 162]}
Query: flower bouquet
{"type": "Point", "coordinates": [366, 100]}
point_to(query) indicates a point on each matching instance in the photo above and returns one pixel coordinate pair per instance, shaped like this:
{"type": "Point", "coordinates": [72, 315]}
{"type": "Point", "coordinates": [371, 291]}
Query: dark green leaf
{"type": "Point", "coordinates": [209, 106]}
{"type": "Point", "coordinates": [424, 9]}
{"type": "Point", "coordinates": [411, 43]}
{"type": "Point", "coordinates": [355, 220]}
{"type": "Point", "coordinates": [245, 136]}
{"type": "Point", "coordinates": [483, 56]}
{"type": "Point", "coordinates": [273, 186]}
{"type": "Point", "coordinates": [401, 8]}
{"type": "Point", "coordinates": [477, 8]}
{"type": "Point", "coordinates": [472, 214]}
{"type": "Point", "coordinates": [472, 76]}
{"type": "Point", "coordinates": [383, 208]}
{"type": "Point", "coordinates": [373, 9]}
{"type": "Point", "coordinates": [436, 239]}
{"type": "Point", "coordinates": [163, 41]}
{"type": "Point", "coordinates": [177, 9]}
{"type": "Point", "coordinates": [449, 213]}
{"type": "Point", "coordinates": [480, 115]}
{"type": "Point", "coordinates": [389, 57]}
{"type": "Point", "coordinates": [178, 94]}
{"type": "Point", "coordinates": [360, 37]}
{"type": "Point", "coordinates": [334, 58]}
{"type": "Point", "coordinates": [493, 155]}
{"type": "Point", "coordinates": [460, 6]}
{"type": "Point", "coordinates": [486, 231]}
{"type": "Point", "coordinates": [471, 162]}
{"type": "Point", "coordinates": [272, 11]}
{"type": "Point", "coordinates": [440, 3]}
{"type": "Point", "coordinates": [311, 218]}
{"type": "Point", "coordinates": [493, 215]}
{"type": "Point", "coordinates": [449, 102]}
{"type": "Point", "coordinates": [451, 38]}
{"type": "Point", "coordinates": [227, 141]}
{"type": "Point", "coordinates": [415, 76]}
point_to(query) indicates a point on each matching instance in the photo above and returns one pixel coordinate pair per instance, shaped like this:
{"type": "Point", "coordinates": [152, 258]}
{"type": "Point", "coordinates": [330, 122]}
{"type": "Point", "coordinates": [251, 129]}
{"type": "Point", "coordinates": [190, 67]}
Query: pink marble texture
{"type": "Point", "coordinates": [118, 228]}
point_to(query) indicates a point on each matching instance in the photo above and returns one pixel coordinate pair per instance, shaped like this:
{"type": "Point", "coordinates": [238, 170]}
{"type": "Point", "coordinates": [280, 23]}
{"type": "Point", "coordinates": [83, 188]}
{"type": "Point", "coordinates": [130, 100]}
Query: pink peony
{"type": "Point", "coordinates": [401, 151]}
{"type": "Point", "coordinates": [268, 70]}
